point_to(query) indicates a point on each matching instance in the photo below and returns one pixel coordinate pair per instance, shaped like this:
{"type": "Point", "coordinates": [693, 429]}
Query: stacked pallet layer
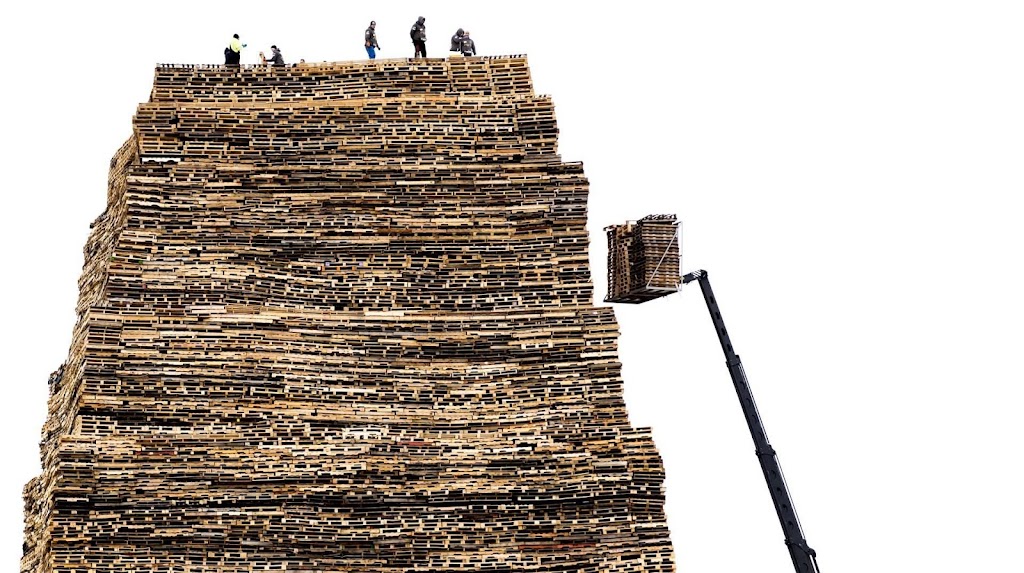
{"type": "Point", "coordinates": [337, 325]}
{"type": "Point", "coordinates": [643, 259]}
{"type": "Point", "coordinates": [504, 76]}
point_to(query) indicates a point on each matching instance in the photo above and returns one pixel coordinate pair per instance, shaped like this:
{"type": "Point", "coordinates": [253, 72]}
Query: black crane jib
{"type": "Point", "coordinates": [804, 558]}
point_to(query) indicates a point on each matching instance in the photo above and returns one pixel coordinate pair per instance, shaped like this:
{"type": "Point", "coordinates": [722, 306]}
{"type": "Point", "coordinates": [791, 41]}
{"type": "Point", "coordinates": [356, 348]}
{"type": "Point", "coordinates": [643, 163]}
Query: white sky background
{"type": "Point", "coordinates": [848, 172]}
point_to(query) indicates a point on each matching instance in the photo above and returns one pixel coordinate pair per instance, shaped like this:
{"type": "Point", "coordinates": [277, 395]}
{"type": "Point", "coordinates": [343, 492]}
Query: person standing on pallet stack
{"type": "Point", "coordinates": [457, 42]}
{"type": "Point", "coordinates": [468, 47]}
{"type": "Point", "coordinates": [418, 33]}
{"type": "Point", "coordinates": [233, 53]}
{"type": "Point", "coordinates": [370, 40]}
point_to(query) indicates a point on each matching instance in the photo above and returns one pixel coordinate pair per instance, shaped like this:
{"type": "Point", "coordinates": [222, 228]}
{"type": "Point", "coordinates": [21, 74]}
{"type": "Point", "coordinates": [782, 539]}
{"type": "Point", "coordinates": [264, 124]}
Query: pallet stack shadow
{"type": "Point", "coordinates": [643, 259]}
{"type": "Point", "coordinates": [338, 318]}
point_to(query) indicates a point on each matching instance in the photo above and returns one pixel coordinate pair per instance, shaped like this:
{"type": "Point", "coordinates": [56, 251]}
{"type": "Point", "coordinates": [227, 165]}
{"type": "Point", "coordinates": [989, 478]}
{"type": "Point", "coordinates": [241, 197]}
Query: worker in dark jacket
{"type": "Point", "coordinates": [370, 40]}
{"type": "Point", "coordinates": [457, 41]}
{"type": "Point", "coordinates": [468, 47]}
{"type": "Point", "coordinates": [418, 33]}
{"type": "Point", "coordinates": [276, 59]}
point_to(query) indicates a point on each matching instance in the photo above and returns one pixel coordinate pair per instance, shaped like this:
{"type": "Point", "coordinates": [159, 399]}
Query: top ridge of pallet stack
{"type": "Point", "coordinates": [498, 75]}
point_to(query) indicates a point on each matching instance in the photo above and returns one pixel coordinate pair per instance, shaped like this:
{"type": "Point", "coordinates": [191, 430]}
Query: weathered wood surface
{"type": "Point", "coordinates": [345, 325]}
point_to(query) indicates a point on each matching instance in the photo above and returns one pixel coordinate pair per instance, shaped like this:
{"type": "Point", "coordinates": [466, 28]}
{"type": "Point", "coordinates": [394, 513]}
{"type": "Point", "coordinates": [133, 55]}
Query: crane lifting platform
{"type": "Point", "coordinates": [632, 284]}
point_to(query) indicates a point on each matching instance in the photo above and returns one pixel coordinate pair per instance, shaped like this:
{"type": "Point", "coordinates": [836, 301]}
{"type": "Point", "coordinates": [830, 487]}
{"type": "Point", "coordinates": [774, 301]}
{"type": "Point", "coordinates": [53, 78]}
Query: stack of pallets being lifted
{"type": "Point", "coordinates": [643, 259]}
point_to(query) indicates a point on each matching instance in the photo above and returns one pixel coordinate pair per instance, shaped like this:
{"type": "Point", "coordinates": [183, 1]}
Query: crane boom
{"type": "Point", "coordinates": [804, 558]}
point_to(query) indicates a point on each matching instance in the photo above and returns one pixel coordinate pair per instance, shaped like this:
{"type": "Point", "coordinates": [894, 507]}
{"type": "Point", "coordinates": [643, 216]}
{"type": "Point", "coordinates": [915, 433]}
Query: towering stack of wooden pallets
{"type": "Point", "coordinates": [643, 259]}
{"type": "Point", "coordinates": [338, 318]}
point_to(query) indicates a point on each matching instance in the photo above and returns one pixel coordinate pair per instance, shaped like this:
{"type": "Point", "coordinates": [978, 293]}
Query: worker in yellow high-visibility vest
{"type": "Point", "coordinates": [233, 53]}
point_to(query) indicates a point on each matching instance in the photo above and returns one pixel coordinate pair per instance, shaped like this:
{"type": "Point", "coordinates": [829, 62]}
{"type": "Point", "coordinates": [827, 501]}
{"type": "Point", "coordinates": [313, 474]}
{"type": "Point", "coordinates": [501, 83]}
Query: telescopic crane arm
{"type": "Point", "coordinates": [803, 556]}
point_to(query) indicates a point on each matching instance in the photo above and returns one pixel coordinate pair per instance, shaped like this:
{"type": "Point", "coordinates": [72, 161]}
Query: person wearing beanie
{"type": "Point", "coordinates": [370, 40]}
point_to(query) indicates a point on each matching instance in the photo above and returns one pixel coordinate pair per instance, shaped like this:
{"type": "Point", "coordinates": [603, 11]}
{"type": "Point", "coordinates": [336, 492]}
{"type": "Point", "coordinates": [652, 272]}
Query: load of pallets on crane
{"type": "Point", "coordinates": [643, 259]}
